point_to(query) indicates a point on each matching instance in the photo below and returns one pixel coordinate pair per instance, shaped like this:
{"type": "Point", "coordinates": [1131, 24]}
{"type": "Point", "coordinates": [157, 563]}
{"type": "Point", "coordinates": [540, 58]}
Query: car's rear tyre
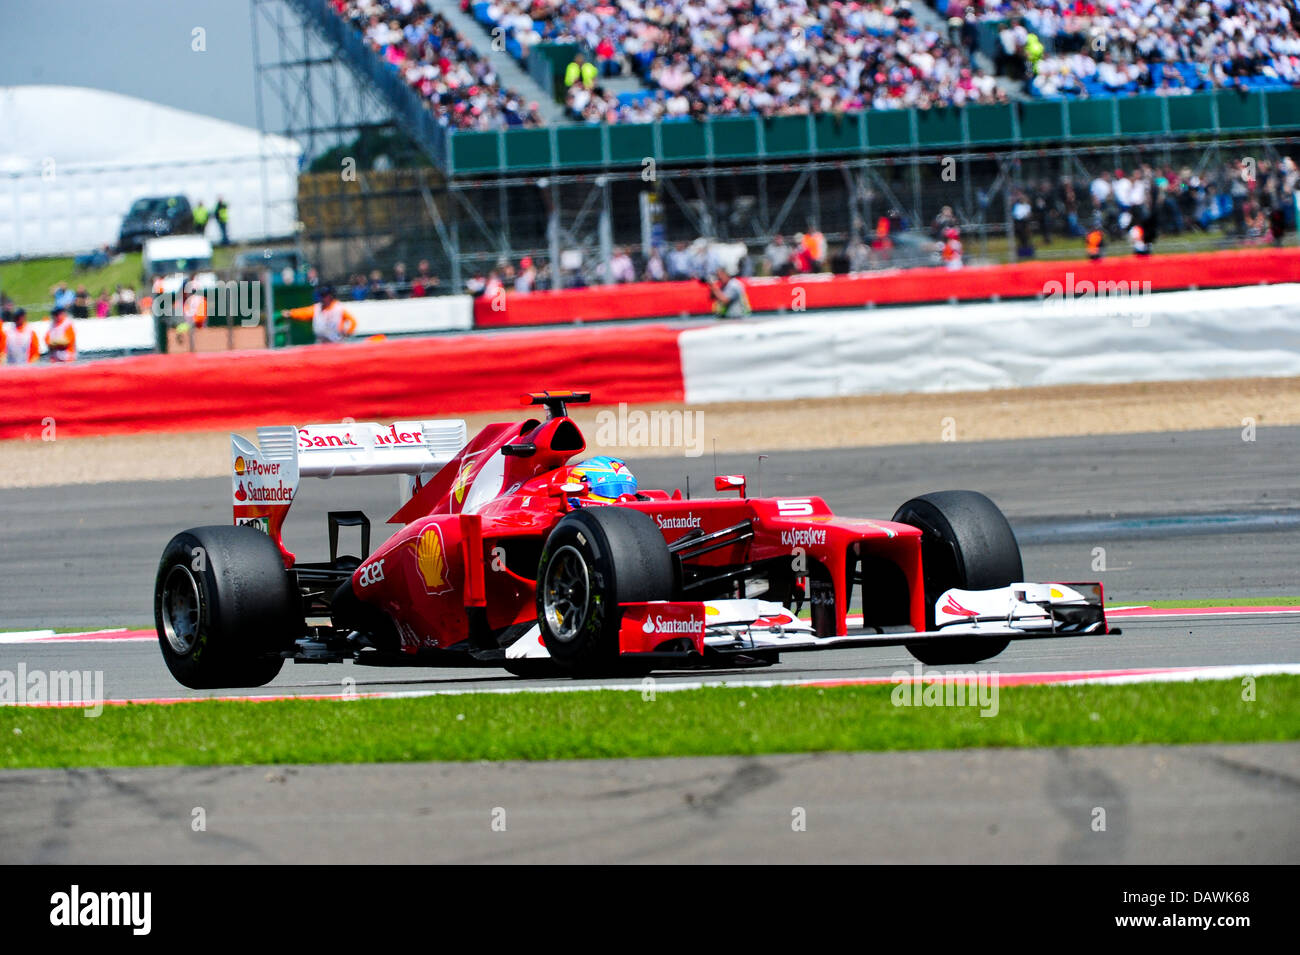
{"type": "Point", "coordinates": [224, 607]}
{"type": "Point", "coordinates": [595, 559]}
{"type": "Point", "coordinates": [966, 543]}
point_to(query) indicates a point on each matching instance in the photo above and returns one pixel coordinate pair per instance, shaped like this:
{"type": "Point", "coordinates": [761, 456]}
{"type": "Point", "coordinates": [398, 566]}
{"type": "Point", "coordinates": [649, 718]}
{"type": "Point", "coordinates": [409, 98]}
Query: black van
{"type": "Point", "coordinates": [154, 216]}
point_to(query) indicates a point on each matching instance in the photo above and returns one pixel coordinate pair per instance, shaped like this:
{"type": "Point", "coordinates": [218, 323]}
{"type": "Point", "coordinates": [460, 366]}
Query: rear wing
{"type": "Point", "coordinates": [264, 476]}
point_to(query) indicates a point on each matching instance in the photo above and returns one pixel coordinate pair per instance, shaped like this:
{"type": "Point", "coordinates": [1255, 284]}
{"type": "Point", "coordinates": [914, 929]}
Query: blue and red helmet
{"type": "Point", "coordinates": [606, 478]}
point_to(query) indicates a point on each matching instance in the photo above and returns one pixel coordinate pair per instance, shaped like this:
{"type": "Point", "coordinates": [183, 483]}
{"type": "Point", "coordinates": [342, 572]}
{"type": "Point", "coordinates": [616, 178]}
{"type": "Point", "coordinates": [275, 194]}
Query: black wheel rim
{"type": "Point", "coordinates": [566, 592]}
{"type": "Point", "coordinates": [180, 609]}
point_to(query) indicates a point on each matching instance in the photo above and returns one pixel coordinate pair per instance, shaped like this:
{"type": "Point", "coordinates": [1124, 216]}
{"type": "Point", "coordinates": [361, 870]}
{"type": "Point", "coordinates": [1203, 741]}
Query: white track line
{"type": "Point", "coordinates": [650, 684]}
{"type": "Point", "coordinates": [115, 635]}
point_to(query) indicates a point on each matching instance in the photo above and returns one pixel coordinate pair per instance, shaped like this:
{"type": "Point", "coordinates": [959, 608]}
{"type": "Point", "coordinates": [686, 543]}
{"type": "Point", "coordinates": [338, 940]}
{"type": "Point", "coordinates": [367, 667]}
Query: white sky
{"type": "Point", "coordinates": [137, 47]}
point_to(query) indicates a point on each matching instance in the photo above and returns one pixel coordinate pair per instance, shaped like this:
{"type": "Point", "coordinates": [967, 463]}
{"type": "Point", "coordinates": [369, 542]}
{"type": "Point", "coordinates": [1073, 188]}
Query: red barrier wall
{"type": "Point", "coordinates": [600, 303]}
{"type": "Point", "coordinates": [908, 286]}
{"type": "Point", "coordinates": [413, 378]}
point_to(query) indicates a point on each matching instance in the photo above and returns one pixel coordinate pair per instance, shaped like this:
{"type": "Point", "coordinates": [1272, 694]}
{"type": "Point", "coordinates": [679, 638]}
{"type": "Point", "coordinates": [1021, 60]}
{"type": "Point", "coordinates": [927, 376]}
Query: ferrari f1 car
{"type": "Point", "coordinates": [506, 557]}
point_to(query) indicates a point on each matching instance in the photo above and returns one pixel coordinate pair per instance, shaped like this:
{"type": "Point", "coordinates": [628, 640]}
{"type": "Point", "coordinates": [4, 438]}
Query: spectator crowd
{"type": "Point", "coordinates": [398, 284]}
{"type": "Point", "coordinates": [1240, 202]}
{"type": "Point", "coordinates": [1163, 47]}
{"type": "Point", "coordinates": [697, 58]}
{"type": "Point", "coordinates": [767, 57]}
{"type": "Point", "coordinates": [461, 86]}
{"type": "Point", "coordinates": [1248, 201]}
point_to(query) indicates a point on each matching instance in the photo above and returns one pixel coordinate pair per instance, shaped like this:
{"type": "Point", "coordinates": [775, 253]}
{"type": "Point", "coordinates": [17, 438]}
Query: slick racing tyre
{"type": "Point", "coordinates": [966, 543]}
{"type": "Point", "coordinates": [224, 607]}
{"type": "Point", "coordinates": [595, 559]}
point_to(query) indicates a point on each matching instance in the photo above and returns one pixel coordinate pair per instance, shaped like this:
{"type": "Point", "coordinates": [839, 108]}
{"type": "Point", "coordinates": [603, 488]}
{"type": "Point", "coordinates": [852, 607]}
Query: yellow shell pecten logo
{"type": "Point", "coordinates": [431, 560]}
{"type": "Point", "coordinates": [462, 482]}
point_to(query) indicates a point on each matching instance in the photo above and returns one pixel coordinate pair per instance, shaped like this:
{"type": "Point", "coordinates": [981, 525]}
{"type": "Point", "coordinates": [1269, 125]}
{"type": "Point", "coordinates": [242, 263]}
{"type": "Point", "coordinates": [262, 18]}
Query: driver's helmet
{"type": "Point", "coordinates": [606, 478]}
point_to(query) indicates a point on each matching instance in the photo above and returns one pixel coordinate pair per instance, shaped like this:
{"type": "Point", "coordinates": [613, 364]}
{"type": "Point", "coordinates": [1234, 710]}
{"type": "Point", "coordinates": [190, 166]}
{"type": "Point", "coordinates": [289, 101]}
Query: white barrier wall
{"type": "Point", "coordinates": [404, 316]}
{"type": "Point", "coordinates": [443, 313]}
{"type": "Point", "coordinates": [1222, 333]}
{"type": "Point", "coordinates": [125, 333]}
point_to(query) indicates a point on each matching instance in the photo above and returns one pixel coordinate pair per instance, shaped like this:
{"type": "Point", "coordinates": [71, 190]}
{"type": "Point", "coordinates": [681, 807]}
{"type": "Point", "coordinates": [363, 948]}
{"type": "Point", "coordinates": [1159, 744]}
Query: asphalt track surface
{"type": "Point", "coordinates": [1195, 514]}
{"type": "Point", "coordinates": [1192, 514]}
{"type": "Point", "coordinates": [1162, 805]}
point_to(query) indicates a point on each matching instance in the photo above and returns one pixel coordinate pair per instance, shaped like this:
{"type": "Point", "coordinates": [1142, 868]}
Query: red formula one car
{"type": "Point", "coordinates": [506, 557]}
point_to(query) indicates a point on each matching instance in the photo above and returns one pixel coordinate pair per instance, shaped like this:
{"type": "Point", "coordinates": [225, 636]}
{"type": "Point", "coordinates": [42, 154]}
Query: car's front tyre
{"type": "Point", "coordinates": [595, 559]}
{"type": "Point", "coordinates": [966, 543]}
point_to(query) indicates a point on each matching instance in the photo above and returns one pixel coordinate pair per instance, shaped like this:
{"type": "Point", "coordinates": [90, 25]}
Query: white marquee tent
{"type": "Point", "coordinates": [73, 160]}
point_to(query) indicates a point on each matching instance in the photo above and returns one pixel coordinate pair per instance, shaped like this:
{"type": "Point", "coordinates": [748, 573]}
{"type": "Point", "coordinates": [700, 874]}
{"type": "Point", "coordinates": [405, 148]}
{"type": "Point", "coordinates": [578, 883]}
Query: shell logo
{"type": "Point", "coordinates": [240, 465]}
{"type": "Point", "coordinates": [431, 560]}
{"type": "Point", "coordinates": [462, 482]}
{"type": "Point", "coordinates": [1056, 594]}
{"type": "Point", "coordinates": [712, 611]}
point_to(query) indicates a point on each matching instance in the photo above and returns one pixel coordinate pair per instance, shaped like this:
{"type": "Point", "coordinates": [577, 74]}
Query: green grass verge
{"type": "Point", "coordinates": [1218, 602]}
{"type": "Point", "coordinates": [606, 724]}
{"type": "Point", "coordinates": [29, 281]}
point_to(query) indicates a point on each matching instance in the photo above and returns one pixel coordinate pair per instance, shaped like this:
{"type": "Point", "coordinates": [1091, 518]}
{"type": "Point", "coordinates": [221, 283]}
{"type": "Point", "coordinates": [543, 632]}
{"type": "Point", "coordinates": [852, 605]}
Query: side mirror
{"type": "Point", "coordinates": [565, 491]}
{"type": "Point", "coordinates": [730, 482]}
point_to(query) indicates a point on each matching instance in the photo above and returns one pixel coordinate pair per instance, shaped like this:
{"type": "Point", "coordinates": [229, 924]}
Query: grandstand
{"type": "Point", "coordinates": [1118, 47]}
{"type": "Point", "coordinates": [739, 122]}
{"type": "Point", "coordinates": [459, 85]}
{"type": "Point", "coordinates": [767, 58]}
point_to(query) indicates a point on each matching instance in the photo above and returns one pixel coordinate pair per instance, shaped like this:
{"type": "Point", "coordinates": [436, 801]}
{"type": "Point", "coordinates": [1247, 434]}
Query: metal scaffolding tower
{"type": "Point", "coordinates": [303, 90]}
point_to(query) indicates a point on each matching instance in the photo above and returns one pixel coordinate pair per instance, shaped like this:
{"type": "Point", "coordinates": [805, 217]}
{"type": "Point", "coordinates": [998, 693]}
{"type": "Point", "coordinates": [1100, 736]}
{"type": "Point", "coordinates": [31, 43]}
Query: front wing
{"type": "Point", "coordinates": [682, 629]}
